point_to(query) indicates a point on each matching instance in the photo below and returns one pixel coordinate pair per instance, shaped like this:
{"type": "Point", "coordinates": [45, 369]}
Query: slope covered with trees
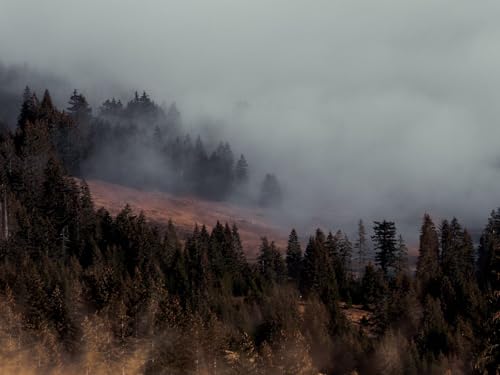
{"type": "Point", "coordinates": [84, 292]}
{"type": "Point", "coordinates": [142, 145]}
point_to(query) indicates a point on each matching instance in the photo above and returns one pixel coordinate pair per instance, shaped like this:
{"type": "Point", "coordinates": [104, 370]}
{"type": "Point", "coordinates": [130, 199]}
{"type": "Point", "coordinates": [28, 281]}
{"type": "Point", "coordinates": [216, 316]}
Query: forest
{"type": "Point", "coordinates": [142, 145]}
{"type": "Point", "coordinates": [83, 292]}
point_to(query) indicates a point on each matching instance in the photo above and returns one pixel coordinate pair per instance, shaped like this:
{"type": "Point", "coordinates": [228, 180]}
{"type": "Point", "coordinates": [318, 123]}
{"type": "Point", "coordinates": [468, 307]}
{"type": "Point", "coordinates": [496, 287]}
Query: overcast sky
{"type": "Point", "coordinates": [373, 109]}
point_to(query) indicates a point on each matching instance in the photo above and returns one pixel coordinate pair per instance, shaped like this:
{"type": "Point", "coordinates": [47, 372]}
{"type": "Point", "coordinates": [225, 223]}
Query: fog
{"type": "Point", "coordinates": [363, 109]}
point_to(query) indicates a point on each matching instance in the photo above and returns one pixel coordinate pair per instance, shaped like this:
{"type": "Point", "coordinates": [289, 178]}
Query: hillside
{"type": "Point", "coordinates": [187, 211]}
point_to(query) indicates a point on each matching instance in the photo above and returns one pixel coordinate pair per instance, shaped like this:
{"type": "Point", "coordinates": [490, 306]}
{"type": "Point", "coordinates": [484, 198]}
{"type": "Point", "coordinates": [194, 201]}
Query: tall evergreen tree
{"type": "Point", "coordinates": [451, 240]}
{"type": "Point", "coordinates": [489, 359]}
{"type": "Point", "coordinates": [401, 255]}
{"type": "Point", "coordinates": [385, 244]}
{"type": "Point", "coordinates": [318, 277]}
{"type": "Point", "coordinates": [345, 251]}
{"type": "Point", "coordinates": [47, 111]}
{"type": "Point", "coordinates": [29, 108]}
{"type": "Point", "coordinates": [294, 256]}
{"type": "Point", "coordinates": [241, 171]}
{"type": "Point", "coordinates": [271, 194]}
{"type": "Point", "coordinates": [270, 262]}
{"type": "Point", "coordinates": [428, 267]}
{"type": "Point", "coordinates": [361, 246]}
{"type": "Point", "coordinates": [488, 249]}
{"type": "Point", "coordinates": [79, 108]}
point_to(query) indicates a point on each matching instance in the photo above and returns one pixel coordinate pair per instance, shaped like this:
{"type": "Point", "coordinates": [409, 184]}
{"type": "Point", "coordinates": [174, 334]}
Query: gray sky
{"type": "Point", "coordinates": [373, 109]}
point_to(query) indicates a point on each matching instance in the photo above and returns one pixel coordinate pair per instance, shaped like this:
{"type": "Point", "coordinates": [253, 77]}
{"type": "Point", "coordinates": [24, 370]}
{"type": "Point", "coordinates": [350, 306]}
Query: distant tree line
{"type": "Point", "coordinates": [84, 292]}
{"type": "Point", "coordinates": [142, 145]}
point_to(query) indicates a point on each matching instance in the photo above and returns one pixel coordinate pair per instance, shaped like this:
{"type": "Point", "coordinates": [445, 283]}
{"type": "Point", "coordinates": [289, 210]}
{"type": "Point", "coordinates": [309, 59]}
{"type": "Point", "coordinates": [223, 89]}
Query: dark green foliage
{"type": "Point", "coordinates": [361, 246]}
{"type": "Point", "coordinates": [294, 257]}
{"type": "Point", "coordinates": [428, 266]}
{"type": "Point", "coordinates": [401, 265]}
{"type": "Point", "coordinates": [384, 240]}
{"type": "Point", "coordinates": [488, 251]}
{"type": "Point", "coordinates": [372, 286]}
{"type": "Point", "coordinates": [434, 335]}
{"type": "Point", "coordinates": [87, 292]}
{"type": "Point", "coordinates": [29, 108]}
{"type": "Point", "coordinates": [318, 276]}
{"type": "Point", "coordinates": [79, 108]}
{"type": "Point", "coordinates": [270, 262]}
{"type": "Point", "coordinates": [489, 278]}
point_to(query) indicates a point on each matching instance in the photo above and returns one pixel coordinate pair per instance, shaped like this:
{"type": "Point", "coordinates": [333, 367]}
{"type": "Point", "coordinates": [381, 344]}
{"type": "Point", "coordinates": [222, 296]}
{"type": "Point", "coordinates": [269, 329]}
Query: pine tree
{"type": "Point", "coordinates": [318, 276]}
{"type": "Point", "coordinates": [458, 284]}
{"type": "Point", "coordinates": [434, 337]}
{"type": "Point", "coordinates": [111, 108]}
{"type": "Point", "coordinates": [384, 240]}
{"type": "Point", "coordinates": [271, 194]}
{"type": "Point", "coordinates": [451, 242]}
{"type": "Point", "coordinates": [87, 226]}
{"type": "Point", "coordinates": [241, 171]}
{"type": "Point", "coordinates": [489, 359]}
{"type": "Point", "coordinates": [345, 252]}
{"type": "Point", "coordinates": [29, 108]}
{"type": "Point", "coordinates": [241, 269]}
{"type": "Point", "coordinates": [401, 256]}
{"type": "Point", "coordinates": [361, 246]}
{"type": "Point", "coordinates": [488, 249]}
{"type": "Point", "coordinates": [78, 108]}
{"type": "Point", "coordinates": [428, 267]}
{"type": "Point", "coordinates": [47, 112]}
{"type": "Point", "coordinates": [173, 117]}
{"type": "Point", "coordinates": [271, 264]}
{"type": "Point", "coordinates": [56, 192]}
{"type": "Point", "coordinates": [294, 257]}
{"type": "Point", "coordinates": [372, 286]}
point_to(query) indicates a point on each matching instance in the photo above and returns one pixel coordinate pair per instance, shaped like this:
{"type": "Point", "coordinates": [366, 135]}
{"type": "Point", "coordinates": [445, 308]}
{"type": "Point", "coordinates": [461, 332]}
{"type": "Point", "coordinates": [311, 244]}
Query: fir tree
{"type": "Point", "coordinates": [361, 246]}
{"type": "Point", "coordinates": [428, 267]}
{"type": "Point", "coordinates": [488, 250]}
{"type": "Point", "coordinates": [271, 264]}
{"type": "Point", "coordinates": [29, 108]}
{"type": "Point", "coordinates": [318, 277]}
{"type": "Point", "coordinates": [78, 108]}
{"type": "Point", "coordinates": [384, 240]}
{"type": "Point", "coordinates": [241, 171]}
{"type": "Point", "coordinates": [489, 358]}
{"type": "Point", "coordinates": [294, 257]}
{"type": "Point", "coordinates": [271, 194]}
{"type": "Point", "coordinates": [401, 256]}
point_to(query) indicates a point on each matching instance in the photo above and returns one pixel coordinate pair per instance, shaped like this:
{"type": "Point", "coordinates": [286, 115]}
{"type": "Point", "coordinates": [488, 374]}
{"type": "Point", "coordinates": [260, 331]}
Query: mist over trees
{"type": "Point", "coordinates": [142, 145]}
{"type": "Point", "coordinates": [82, 291]}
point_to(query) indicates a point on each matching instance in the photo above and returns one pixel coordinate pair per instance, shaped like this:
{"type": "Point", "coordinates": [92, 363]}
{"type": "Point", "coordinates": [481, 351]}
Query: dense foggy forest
{"type": "Point", "coordinates": [141, 145]}
{"type": "Point", "coordinates": [84, 292]}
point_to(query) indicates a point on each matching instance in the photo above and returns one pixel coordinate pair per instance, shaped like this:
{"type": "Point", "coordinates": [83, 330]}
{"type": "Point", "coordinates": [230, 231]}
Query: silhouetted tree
{"type": "Point", "coordinates": [384, 240]}
{"type": "Point", "coordinates": [317, 275]}
{"type": "Point", "coordinates": [428, 267]}
{"type": "Point", "coordinates": [29, 108]}
{"type": "Point", "coordinates": [241, 171]}
{"type": "Point", "coordinates": [78, 108]}
{"type": "Point", "coordinates": [361, 246]}
{"type": "Point", "coordinates": [271, 194]}
{"type": "Point", "coordinates": [271, 264]}
{"type": "Point", "coordinates": [294, 256]}
{"type": "Point", "coordinates": [401, 256]}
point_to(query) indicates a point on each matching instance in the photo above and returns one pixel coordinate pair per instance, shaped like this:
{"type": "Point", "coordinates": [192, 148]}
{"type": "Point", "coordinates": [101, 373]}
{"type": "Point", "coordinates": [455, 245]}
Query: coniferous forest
{"type": "Point", "coordinates": [141, 144]}
{"type": "Point", "coordinates": [83, 292]}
